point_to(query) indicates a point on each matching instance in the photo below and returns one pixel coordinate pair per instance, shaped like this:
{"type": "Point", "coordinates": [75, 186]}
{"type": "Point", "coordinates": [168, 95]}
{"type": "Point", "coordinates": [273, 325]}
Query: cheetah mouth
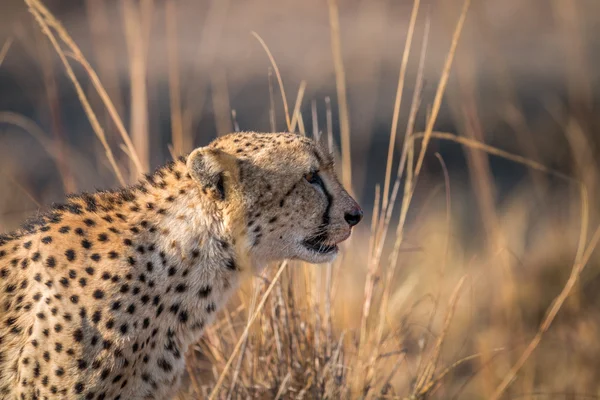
{"type": "Point", "coordinates": [319, 246]}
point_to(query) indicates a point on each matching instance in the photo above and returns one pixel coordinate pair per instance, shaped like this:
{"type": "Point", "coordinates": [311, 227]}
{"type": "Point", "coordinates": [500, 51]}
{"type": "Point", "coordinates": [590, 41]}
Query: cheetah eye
{"type": "Point", "coordinates": [313, 177]}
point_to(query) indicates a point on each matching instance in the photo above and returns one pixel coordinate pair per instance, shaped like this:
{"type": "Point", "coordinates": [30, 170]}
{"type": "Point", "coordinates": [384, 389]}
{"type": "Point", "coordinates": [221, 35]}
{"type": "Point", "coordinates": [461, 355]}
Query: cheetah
{"type": "Point", "coordinates": [101, 296]}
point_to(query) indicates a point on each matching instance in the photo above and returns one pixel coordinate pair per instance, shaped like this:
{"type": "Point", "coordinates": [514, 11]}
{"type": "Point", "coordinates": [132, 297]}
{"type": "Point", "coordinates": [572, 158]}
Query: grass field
{"type": "Point", "coordinates": [468, 131]}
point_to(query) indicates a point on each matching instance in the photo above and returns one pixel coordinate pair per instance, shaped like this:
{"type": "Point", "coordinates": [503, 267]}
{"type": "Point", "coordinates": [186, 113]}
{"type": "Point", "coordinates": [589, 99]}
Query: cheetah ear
{"type": "Point", "coordinates": [213, 169]}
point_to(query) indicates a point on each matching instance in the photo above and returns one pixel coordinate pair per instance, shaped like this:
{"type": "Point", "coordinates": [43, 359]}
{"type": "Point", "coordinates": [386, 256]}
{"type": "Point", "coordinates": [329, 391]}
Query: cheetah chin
{"type": "Point", "coordinates": [101, 297]}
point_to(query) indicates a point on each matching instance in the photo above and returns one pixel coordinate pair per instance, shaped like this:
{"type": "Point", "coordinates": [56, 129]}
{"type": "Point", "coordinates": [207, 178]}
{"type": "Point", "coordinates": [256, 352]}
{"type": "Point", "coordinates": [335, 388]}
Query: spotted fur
{"type": "Point", "coordinates": [101, 296]}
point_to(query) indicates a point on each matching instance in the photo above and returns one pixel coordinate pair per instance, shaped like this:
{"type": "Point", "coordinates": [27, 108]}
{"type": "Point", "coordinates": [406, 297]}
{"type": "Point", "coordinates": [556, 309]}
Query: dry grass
{"type": "Point", "coordinates": [420, 304]}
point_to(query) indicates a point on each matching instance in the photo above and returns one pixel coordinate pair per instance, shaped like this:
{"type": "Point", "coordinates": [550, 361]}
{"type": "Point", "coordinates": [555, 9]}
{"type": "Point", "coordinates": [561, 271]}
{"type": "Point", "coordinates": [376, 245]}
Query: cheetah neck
{"type": "Point", "coordinates": [199, 255]}
{"type": "Point", "coordinates": [175, 238]}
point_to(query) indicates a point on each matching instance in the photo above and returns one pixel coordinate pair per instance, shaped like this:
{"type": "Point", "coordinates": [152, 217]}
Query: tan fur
{"type": "Point", "coordinates": [101, 297]}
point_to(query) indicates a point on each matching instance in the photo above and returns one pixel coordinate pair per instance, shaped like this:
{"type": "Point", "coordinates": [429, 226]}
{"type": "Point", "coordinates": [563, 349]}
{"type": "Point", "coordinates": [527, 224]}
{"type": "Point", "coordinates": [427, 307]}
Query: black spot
{"type": "Point", "coordinates": [211, 308]}
{"type": "Point", "coordinates": [95, 257]}
{"type": "Point", "coordinates": [104, 374]}
{"type": "Point", "coordinates": [182, 287]}
{"type": "Point", "coordinates": [70, 254]}
{"type": "Point", "coordinates": [50, 262]}
{"type": "Point", "coordinates": [47, 239]}
{"type": "Point", "coordinates": [110, 324]}
{"type": "Point", "coordinates": [90, 270]}
{"type": "Point", "coordinates": [59, 371]}
{"type": "Point", "coordinates": [159, 310]}
{"type": "Point", "coordinates": [123, 329]}
{"type": "Point", "coordinates": [79, 231]}
{"type": "Point", "coordinates": [64, 229]}
{"type": "Point", "coordinates": [183, 316]}
{"type": "Point", "coordinates": [74, 299]}
{"type": "Point", "coordinates": [131, 309]}
{"type": "Point", "coordinates": [27, 245]}
{"type": "Point", "coordinates": [96, 316]}
{"type": "Point", "coordinates": [89, 222]}
{"type": "Point", "coordinates": [82, 364]}
{"type": "Point", "coordinates": [164, 365]}
{"type": "Point", "coordinates": [98, 294]}
{"type": "Point", "coordinates": [113, 255]}
{"type": "Point", "coordinates": [78, 388]}
{"type": "Point", "coordinates": [82, 282]}
{"type": "Point", "coordinates": [230, 264]}
{"type": "Point", "coordinates": [78, 335]}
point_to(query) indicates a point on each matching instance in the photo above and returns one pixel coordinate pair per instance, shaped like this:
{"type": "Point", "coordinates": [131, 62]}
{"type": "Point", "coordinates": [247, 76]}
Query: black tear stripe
{"type": "Point", "coordinates": [322, 236]}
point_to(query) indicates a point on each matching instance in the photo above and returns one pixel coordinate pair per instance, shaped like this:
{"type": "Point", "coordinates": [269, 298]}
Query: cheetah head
{"type": "Point", "coordinates": [284, 191]}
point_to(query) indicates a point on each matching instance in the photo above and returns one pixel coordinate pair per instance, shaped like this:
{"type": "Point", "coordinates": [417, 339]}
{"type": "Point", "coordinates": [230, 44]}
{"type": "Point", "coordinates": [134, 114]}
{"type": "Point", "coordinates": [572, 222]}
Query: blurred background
{"type": "Point", "coordinates": [524, 80]}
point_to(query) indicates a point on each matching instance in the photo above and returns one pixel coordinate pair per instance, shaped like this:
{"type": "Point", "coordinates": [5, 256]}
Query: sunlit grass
{"type": "Point", "coordinates": [417, 305]}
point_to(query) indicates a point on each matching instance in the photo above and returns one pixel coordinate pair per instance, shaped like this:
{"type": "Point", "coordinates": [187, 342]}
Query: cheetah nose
{"type": "Point", "coordinates": [353, 217]}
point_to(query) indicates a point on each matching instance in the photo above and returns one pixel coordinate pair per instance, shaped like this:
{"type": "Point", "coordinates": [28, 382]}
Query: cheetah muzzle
{"type": "Point", "coordinates": [101, 296]}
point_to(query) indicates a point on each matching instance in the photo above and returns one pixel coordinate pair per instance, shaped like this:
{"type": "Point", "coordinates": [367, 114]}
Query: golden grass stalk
{"type": "Point", "coordinates": [220, 99]}
{"type": "Point", "coordinates": [272, 114]}
{"type": "Point", "coordinates": [581, 259]}
{"type": "Point", "coordinates": [314, 119]}
{"type": "Point", "coordinates": [244, 334]}
{"type": "Point", "coordinates": [398, 102]}
{"type": "Point", "coordinates": [380, 233]}
{"type": "Point", "coordinates": [296, 118]}
{"type": "Point", "coordinates": [46, 20]}
{"type": "Point", "coordinates": [33, 8]}
{"type": "Point", "coordinates": [4, 50]}
{"type": "Point", "coordinates": [179, 145]}
{"type": "Point", "coordinates": [386, 216]}
{"type": "Point", "coordinates": [279, 80]}
{"type": "Point", "coordinates": [477, 145]}
{"type": "Point", "coordinates": [425, 380]}
{"type": "Point", "coordinates": [137, 22]}
{"type": "Point", "coordinates": [340, 84]}
{"type": "Point", "coordinates": [437, 102]}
